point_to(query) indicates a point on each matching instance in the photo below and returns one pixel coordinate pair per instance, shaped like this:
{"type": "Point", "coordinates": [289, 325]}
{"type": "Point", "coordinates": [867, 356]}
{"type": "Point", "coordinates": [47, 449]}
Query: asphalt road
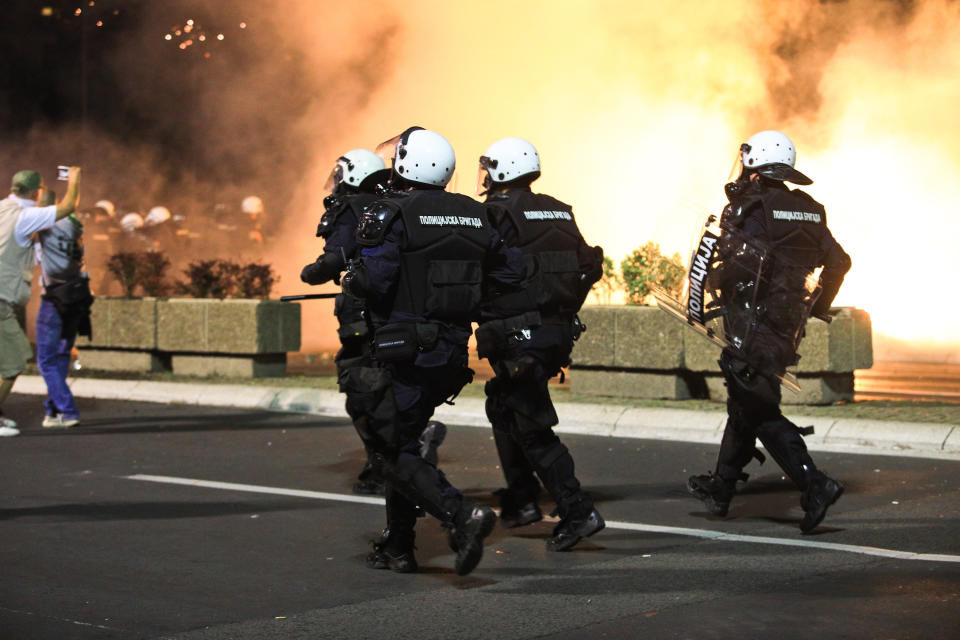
{"type": "Point", "coordinates": [89, 552]}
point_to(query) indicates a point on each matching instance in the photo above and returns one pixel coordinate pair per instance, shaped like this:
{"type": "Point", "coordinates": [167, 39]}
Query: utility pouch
{"type": "Point", "coordinates": [453, 288]}
{"type": "Point", "coordinates": [559, 279]}
{"type": "Point", "coordinates": [427, 335]}
{"type": "Point", "coordinates": [494, 336]}
{"type": "Point", "coordinates": [397, 342]}
{"type": "Point", "coordinates": [491, 339]}
{"type": "Point", "coordinates": [353, 330]}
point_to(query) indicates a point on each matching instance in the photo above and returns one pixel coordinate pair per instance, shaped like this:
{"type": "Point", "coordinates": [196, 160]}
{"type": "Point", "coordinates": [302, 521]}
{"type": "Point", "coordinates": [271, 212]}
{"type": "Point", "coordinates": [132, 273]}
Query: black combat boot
{"type": "Point", "coordinates": [822, 491]}
{"type": "Point", "coordinates": [715, 492]}
{"type": "Point", "coordinates": [431, 439]}
{"type": "Point", "coordinates": [394, 552]}
{"type": "Point", "coordinates": [573, 528]}
{"type": "Point", "coordinates": [517, 510]}
{"type": "Point", "coordinates": [369, 481]}
{"type": "Point", "coordinates": [471, 524]}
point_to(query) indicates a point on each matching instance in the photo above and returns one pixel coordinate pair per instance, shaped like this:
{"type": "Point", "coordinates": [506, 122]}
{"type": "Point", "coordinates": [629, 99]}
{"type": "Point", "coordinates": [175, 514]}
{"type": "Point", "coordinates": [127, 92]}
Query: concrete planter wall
{"type": "Point", "coordinates": [238, 338]}
{"type": "Point", "coordinates": [641, 352]}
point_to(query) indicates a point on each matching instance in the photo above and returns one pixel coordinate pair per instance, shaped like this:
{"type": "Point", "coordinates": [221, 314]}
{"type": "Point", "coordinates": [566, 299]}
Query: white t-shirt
{"type": "Point", "coordinates": [32, 219]}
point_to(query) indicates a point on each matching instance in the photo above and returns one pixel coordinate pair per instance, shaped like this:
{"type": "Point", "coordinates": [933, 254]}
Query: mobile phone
{"type": "Point", "coordinates": [63, 172]}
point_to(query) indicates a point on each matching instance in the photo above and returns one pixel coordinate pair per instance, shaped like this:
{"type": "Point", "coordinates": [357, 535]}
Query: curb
{"type": "Point", "coordinates": [877, 437]}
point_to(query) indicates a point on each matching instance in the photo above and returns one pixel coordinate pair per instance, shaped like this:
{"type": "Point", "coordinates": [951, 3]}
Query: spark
{"type": "Point", "coordinates": [201, 37]}
{"type": "Point", "coordinates": [99, 23]}
{"type": "Point", "coordinates": [78, 11]}
{"type": "Point", "coordinates": [190, 22]}
{"type": "Point", "coordinates": [168, 37]}
{"type": "Point", "coordinates": [243, 25]}
{"type": "Point", "coordinates": [219, 36]}
{"type": "Point", "coordinates": [188, 28]}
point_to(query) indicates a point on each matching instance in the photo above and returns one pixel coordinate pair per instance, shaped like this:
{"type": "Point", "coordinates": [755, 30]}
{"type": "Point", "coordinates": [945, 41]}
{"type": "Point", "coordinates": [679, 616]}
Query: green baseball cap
{"type": "Point", "coordinates": [26, 180]}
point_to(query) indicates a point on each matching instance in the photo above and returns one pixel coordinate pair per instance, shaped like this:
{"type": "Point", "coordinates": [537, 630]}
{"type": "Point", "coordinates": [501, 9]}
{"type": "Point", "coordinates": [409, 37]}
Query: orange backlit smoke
{"type": "Point", "coordinates": [638, 107]}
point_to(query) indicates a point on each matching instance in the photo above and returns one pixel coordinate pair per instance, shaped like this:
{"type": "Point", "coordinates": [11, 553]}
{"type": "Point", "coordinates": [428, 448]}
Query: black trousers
{"type": "Point", "coordinates": [522, 414]}
{"type": "Point", "coordinates": [753, 412]}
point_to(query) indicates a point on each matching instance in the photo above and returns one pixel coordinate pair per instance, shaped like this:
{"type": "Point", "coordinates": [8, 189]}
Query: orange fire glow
{"type": "Point", "coordinates": [638, 108]}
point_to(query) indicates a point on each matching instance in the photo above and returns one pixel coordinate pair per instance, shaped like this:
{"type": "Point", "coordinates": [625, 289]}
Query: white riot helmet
{"type": "Point", "coordinates": [506, 160]}
{"type": "Point", "coordinates": [421, 156]}
{"type": "Point", "coordinates": [131, 222]}
{"type": "Point", "coordinates": [107, 206]}
{"type": "Point", "coordinates": [157, 215]}
{"type": "Point", "coordinates": [772, 154]}
{"type": "Point", "coordinates": [353, 168]}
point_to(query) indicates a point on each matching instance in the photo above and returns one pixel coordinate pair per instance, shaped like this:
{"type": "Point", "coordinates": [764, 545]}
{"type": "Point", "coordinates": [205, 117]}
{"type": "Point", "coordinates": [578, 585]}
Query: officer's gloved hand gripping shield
{"type": "Point", "coordinates": [736, 294]}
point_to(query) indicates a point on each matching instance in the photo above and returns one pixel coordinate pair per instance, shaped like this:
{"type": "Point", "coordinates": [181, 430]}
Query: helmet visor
{"type": "Point", "coordinates": [335, 177]}
{"type": "Point", "coordinates": [389, 149]}
{"type": "Point", "coordinates": [484, 181]}
{"type": "Point", "coordinates": [737, 169]}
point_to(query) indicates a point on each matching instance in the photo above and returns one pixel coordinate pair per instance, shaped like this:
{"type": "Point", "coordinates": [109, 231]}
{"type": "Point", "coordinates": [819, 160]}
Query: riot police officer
{"type": "Point", "coordinates": [528, 336]}
{"type": "Point", "coordinates": [789, 230]}
{"type": "Point", "coordinates": [426, 257]}
{"type": "Point", "coordinates": [352, 185]}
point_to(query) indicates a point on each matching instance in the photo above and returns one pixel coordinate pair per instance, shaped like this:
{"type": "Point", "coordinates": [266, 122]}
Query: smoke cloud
{"type": "Point", "coordinates": [637, 110]}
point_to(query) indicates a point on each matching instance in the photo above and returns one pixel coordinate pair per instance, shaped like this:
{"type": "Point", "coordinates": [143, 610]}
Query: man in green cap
{"type": "Point", "coordinates": [20, 220]}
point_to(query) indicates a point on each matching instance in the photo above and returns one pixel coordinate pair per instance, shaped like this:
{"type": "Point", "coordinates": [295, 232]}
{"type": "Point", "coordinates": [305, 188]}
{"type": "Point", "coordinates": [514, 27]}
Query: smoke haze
{"type": "Point", "coordinates": [637, 109]}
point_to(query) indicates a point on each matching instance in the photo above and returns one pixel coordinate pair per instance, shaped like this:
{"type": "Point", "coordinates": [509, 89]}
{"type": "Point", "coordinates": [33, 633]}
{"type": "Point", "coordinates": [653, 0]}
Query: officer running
{"type": "Point", "coordinates": [352, 185]}
{"type": "Point", "coordinates": [790, 227]}
{"type": "Point", "coordinates": [426, 257]}
{"type": "Point", "coordinates": [529, 340]}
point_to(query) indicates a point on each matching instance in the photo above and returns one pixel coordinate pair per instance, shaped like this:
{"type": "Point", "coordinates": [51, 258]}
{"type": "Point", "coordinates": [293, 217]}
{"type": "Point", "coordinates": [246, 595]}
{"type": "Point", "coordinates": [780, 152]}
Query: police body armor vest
{"type": "Point", "coordinates": [547, 232]}
{"type": "Point", "coordinates": [795, 225]}
{"type": "Point", "coordinates": [346, 210]}
{"type": "Point", "coordinates": [447, 238]}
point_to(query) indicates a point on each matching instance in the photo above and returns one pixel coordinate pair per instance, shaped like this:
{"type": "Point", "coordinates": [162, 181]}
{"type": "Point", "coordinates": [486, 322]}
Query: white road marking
{"type": "Point", "coordinates": [611, 524]}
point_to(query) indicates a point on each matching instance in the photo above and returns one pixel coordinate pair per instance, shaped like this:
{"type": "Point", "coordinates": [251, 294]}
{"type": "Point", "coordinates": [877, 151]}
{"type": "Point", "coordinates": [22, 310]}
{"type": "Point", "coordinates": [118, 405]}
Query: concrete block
{"type": "Point", "coordinates": [647, 338]}
{"type": "Point", "coordinates": [629, 384]}
{"type": "Point", "coordinates": [269, 365]}
{"type": "Point", "coordinates": [827, 388]}
{"type": "Point", "coordinates": [596, 346]}
{"type": "Point", "coordinates": [699, 353]}
{"type": "Point", "coordinates": [182, 324]}
{"type": "Point", "coordinates": [228, 326]}
{"type": "Point", "coordinates": [846, 344]}
{"type": "Point", "coordinates": [122, 360]}
{"type": "Point", "coordinates": [123, 323]}
{"type": "Point", "coordinates": [851, 342]}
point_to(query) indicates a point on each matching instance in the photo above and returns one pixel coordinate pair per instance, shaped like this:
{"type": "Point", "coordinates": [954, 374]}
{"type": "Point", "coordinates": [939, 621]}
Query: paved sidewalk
{"type": "Point", "coordinates": [927, 440]}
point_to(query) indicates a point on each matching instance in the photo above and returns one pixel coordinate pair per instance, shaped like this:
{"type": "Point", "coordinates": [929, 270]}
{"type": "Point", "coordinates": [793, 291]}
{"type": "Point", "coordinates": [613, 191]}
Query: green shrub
{"type": "Point", "coordinates": [225, 279]}
{"type": "Point", "coordinates": [646, 267]}
{"type": "Point", "coordinates": [151, 271]}
{"type": "Point", "coordinates": [123, 266]}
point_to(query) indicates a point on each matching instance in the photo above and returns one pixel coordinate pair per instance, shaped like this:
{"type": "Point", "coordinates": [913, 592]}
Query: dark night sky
{"type": "Point", "coordinates": [123, 83]}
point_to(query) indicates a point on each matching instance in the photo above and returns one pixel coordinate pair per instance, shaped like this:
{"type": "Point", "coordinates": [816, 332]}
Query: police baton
{"type": "Point", "coordinates": [308, 296]}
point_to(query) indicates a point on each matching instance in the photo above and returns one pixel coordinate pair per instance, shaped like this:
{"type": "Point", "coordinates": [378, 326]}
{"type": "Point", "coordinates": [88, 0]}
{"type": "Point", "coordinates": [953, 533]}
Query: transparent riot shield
{"type": "Point", "coordinates": [740, 295]}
